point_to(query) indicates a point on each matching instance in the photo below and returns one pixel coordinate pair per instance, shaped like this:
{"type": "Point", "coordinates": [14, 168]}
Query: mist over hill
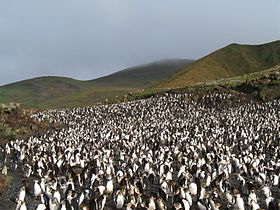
{"type": "Point", "coordinates": [232, 60]}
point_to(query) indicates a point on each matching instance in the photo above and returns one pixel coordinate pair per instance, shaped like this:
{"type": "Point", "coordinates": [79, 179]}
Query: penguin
{"type": "Point", "coordinates": [41, 207]}
{"type": "Point", "coordinates": [27, 170]}
{"type": "Point", "coordinates": [57, 195]}
{"type": "Point", "coordinates": [252, 198]}
{"type": "Point", "coordinates": [80, 198]}
{"type": "Point", "coordinates": [269, 202]}
{"type": "Point", "coordinates": [230, 199]}
{"type": "Point", "coordinates": [109, 187]}
{"type": "Point", "coordinates": [160, 203]}
{"type": "Point", "coordinates": [120, 199]}
{"type": "Point", "coordinates": [254, 205]}
{"type": "Point", "coordinates": [19, 203]}
{"type": "Point", "coordinates": [37, 189]}
{"type": "Point", "coordinates": [152, 203]}
{"type": "Point", "coordinates": [101, 201]}
{"type": "Point", "coordinates": [4, 170]}
{"type": "Point", "coordinates": [276, 179]}
{"type": "Point", "coordinates": [214, 205]}
{"type": "Point", "coordinates": [193, 189]}
{"type": "Point", "coordinates": [201, 206]}
{"type": "Point", "coordinates": [162, 194]}
{"type": "Point", "coordinates": [21, 195]}
{"type": "Point", "coordinates": [266, 191]}
{"type": "Point", "coordinates": [130, 206]}
{"type": "Point", "coordinates": [63, 205]}
{"type": "Point", "coordinates": [43, 184]}
{"type": "Point", "coordinates": [23, 206]}
{"type": "Point", "coordinates": [186, 204]}
{"type": "Point", "coordinates": [239, 202]}
{"type": "Point", "coordinates": [53, 204]}
{"type": "Point", "coordinates": [101, 190]}
{"type": "Point", "coordinates": [45, 199]}
{"type": "Point", "coordinates": [74, 200]}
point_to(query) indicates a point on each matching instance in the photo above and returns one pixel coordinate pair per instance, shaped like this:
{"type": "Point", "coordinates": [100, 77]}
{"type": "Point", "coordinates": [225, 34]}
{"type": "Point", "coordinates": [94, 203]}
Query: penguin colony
{"type": "Point", "coordinates": [165, 152]}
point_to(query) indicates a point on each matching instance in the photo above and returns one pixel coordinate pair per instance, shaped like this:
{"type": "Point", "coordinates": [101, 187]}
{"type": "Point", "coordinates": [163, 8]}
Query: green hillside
{"type": "Point", "coordinates": [58, 92]}
{"type": "Point", "coordinates": [32, 92]}
{"type": "Point", "coordinates": [230, 61]}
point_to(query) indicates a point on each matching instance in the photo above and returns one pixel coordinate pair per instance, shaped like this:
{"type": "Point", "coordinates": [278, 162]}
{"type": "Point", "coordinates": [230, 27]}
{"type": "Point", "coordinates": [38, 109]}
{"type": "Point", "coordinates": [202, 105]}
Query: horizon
{"type": "Point", "coordinates": [89, 40]}
{"type": "Point", "coordinates": [126, 68]}
{"type": "Point", "coordinates": [130, 67]}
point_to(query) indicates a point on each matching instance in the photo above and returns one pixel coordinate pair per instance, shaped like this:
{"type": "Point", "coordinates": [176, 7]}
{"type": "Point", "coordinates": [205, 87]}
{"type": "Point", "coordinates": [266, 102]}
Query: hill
{"type": "Point", "coordinates": [32, 92]}
{"type": "Point", "coordinates": [58, 92]}
{"type": "Point", "coordinates": [230, 61]}
{"type": "Point", "coordinates": [143, 75]}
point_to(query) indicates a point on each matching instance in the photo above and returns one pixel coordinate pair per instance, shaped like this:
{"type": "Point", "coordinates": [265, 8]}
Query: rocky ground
{"type": "Point", "coordinates": [16, 122]}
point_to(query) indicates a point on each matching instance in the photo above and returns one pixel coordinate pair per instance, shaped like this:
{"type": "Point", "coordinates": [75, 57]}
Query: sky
{"type": "Point", "coordinates": [86, 39]}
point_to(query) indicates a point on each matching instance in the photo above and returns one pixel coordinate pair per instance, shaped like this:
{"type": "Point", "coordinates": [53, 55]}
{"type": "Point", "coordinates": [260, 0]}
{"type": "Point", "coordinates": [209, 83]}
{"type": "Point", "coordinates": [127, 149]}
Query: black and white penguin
{"type": "Point", "coordinates": [120, 199]}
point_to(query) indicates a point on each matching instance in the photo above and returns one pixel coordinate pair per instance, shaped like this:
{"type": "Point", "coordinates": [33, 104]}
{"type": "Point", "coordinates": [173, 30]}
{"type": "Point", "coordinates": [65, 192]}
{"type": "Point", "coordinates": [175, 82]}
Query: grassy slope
{"type": "Point", "coordinates": [262, 85]}
{"type": "Point", "coordinates": [32, 92]}
{"type": "Point", "coordinates": [233, 60]}
{"type": "Point", "coordinates": [57, 92]}
{"type": "Point", "coordinates": [87, 97]}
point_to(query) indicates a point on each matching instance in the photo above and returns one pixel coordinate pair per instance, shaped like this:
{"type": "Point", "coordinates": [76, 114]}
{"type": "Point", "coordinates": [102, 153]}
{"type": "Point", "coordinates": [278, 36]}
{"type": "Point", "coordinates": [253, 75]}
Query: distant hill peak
{"type": "Point", "coordinates": [229, 61]}
{"type": "Point", "coordinates": [145, 75]}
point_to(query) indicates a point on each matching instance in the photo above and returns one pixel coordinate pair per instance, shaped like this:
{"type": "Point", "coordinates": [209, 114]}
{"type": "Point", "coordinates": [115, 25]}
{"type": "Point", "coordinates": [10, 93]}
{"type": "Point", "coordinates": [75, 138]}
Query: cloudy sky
{"type": "Point", "coordinates": [85, 39]}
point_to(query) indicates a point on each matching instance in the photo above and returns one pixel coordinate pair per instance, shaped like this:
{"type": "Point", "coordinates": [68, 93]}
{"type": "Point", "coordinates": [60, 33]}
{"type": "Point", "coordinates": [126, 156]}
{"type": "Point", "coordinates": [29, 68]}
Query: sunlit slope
{"type": "Point", "coordinates": [261, 86]}
{"type": "Point", "coordinates": [232, 60]}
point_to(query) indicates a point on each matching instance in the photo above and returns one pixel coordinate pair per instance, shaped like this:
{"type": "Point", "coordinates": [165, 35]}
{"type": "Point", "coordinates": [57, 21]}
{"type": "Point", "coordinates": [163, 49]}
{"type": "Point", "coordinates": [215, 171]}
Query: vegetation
{"type": "Point", "coordinates": [262, 86]}
{"type": "Point", "coordinates": [231, 61]}
{"type": "Point", "coordinates": [16, 122]}
{"type": "Point", "coordinates": [58, 92]}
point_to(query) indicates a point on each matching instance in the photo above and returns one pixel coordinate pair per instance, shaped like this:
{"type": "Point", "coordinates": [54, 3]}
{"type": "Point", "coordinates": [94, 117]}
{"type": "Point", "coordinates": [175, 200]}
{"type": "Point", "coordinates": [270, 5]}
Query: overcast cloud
{"type": "Point", "coordinates": [85, 39]}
